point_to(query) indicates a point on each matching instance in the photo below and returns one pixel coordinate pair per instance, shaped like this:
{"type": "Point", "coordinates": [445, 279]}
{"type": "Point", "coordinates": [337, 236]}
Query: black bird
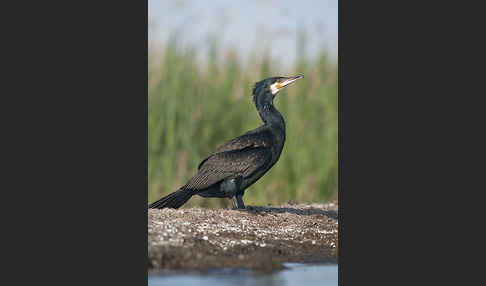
{"type": "Point", "coordinates": [239, 163]}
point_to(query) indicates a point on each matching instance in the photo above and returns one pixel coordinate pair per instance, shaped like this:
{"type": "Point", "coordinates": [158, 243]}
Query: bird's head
{"type": "Point", "coordinates": [265, 90]}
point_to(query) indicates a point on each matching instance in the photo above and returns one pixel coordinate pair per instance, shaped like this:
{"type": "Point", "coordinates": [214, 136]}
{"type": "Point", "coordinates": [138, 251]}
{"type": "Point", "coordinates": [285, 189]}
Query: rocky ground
{"type": "Point", "coordinates": [259, 238]}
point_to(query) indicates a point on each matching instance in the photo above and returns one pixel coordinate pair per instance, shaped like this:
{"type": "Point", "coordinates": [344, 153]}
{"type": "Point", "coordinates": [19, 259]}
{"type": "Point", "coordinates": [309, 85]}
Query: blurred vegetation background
{"type": "Point", "coordinates": [195, 106]}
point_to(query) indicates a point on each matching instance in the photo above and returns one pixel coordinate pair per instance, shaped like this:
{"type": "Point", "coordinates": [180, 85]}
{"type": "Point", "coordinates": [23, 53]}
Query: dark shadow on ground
{"type": "Point", "coordinates": [262, 210]}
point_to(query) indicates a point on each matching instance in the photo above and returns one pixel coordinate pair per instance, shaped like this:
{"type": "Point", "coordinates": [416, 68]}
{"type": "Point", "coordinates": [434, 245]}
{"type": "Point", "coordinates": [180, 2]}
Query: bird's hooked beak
{"type": "Point", "coordinates": [283, 82]}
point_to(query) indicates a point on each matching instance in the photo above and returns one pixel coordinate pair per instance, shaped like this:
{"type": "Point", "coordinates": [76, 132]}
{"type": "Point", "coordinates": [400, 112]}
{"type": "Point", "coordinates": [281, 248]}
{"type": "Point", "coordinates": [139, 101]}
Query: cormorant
{"type": "Point", "coordinates": [239, 163]}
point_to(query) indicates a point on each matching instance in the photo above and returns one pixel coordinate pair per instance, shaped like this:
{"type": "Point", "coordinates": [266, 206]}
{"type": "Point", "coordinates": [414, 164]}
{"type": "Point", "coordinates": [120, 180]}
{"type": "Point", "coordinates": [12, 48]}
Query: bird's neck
{"type": "Point", "coordinates": [270, 115]}
{"type": "Point", "coordinates": [274, 120]}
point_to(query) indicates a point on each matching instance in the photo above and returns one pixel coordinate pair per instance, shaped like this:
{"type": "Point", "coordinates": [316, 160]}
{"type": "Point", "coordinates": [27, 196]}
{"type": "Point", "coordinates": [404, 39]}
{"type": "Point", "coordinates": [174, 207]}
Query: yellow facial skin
{"type": "Point", "coordinates": [274, 88]}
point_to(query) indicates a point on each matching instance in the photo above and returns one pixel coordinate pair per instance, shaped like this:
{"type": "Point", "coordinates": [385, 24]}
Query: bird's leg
{"type": "Point", "coordinates": [232, 188]}
{"type": "Point", "coordinates": [238, 202]}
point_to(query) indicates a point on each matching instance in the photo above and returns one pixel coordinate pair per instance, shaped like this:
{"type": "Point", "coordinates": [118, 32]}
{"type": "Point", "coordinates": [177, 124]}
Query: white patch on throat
{"type": "Point", "coordinates": [274, 88]}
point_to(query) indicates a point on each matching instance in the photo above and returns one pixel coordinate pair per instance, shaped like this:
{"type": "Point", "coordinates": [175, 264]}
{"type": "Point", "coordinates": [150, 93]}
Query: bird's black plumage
{"type": "Point", "coordinates": [239, 163]}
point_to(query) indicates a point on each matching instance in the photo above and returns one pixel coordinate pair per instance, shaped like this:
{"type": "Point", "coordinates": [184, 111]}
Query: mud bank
{"type": "Point", "coordinates": [259, 238]}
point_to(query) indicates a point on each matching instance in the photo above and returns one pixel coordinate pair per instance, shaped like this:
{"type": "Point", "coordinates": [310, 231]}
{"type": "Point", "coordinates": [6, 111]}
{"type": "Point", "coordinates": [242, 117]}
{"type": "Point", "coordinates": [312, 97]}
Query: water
{"type": "Point", "coordinates": [298, 274]}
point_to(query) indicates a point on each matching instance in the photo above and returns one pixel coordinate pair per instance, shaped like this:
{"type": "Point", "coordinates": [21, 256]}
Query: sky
{"type": "Point", "coordinates": [247, 26]}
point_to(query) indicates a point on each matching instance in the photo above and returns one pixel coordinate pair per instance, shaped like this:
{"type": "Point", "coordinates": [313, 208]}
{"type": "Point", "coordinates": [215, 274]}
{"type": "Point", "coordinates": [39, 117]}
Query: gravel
{"type": "Point", "coordinates": [258, 238]}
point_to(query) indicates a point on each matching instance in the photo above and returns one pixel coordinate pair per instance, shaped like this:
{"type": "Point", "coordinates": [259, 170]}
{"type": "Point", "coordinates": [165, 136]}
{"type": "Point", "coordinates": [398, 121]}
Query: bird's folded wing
{"type": "Point", "coordinates": [246, 141]}
{"type": "Point", "coordinates": [220, 166]}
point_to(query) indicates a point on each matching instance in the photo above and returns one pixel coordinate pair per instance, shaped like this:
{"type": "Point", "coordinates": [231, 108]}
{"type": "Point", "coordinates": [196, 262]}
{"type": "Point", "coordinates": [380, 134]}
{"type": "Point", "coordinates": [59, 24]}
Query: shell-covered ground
{"type": "Point", "coordinates": [260, 238]}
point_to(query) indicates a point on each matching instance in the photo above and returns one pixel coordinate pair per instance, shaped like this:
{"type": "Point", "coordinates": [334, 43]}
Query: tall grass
{"type": "Point", "coordinates": [194, 107]}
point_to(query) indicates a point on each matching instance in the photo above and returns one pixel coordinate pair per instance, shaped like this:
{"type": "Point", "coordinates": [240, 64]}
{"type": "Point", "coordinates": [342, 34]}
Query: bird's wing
{"type": "Point", "coordinates": [245, 141]}
{"type": "Point", "coordinates": [220, 166]}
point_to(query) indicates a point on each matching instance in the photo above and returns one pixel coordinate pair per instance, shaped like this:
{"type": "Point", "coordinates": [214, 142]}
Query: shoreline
{"type": "Point", "coordinates": [260, 238]}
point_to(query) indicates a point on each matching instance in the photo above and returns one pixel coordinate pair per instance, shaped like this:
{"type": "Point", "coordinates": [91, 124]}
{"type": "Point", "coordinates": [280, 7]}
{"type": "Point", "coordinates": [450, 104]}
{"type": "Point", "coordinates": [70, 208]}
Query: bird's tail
{"type": "Point", "coordinates": [173, 200]}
